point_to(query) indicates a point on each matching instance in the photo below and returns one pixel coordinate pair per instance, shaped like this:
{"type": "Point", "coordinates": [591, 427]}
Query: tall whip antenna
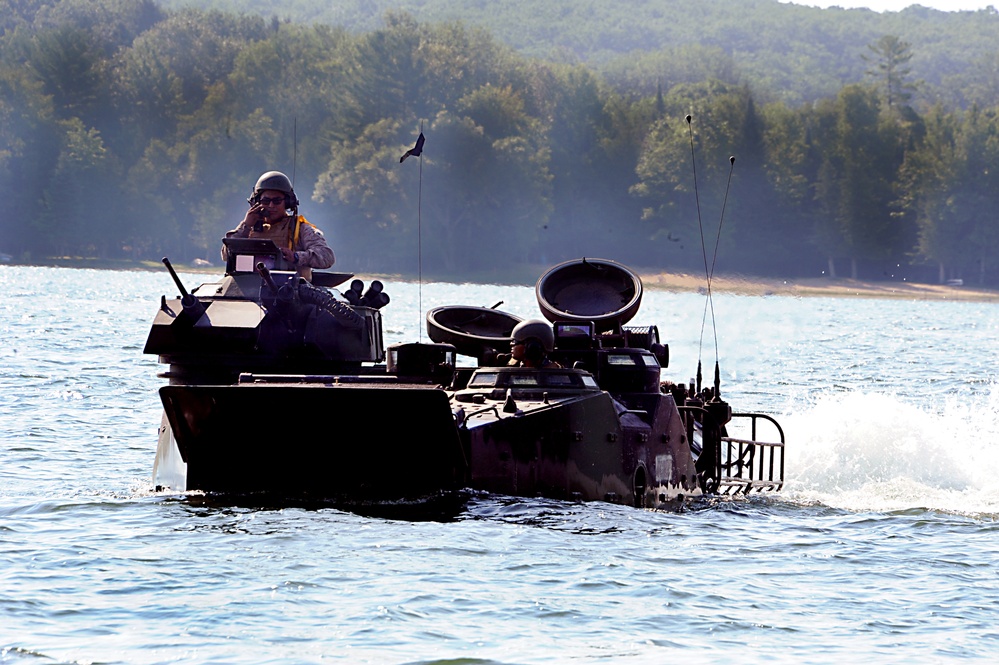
{"type": "Point", "coordinates": [294, 155]}
{"type": "Point", "coordinates": [709, 272]}
{"type": "Point", "coordinates": [700, 227]}
{"type": "Point", "coordinates": [417, 151]}
{"type": "Point", "coordinates": [419, 237]}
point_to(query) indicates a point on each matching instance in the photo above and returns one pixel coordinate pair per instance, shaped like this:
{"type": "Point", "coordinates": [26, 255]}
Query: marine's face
{"type": "Point", "coordinates": [273, 204]}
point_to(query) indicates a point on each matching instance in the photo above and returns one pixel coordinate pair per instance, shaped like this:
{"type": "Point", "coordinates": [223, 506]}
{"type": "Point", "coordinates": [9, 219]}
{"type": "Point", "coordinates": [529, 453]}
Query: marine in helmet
{"type": "Point", "coordinates": [532, 341]}
{"type": "Point", "coordinates": [273, 215]}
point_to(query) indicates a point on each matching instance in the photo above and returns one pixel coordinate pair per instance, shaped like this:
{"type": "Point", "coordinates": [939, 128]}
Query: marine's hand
{"type": "Point", "coordinates": [254, 215]}
{"type": "Point", "coordinates": [288, 255]}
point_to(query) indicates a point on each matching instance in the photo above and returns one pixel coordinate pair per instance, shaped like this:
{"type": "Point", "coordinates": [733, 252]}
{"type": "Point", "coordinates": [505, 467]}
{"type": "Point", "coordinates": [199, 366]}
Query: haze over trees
{"type": "Point", "coordinates": [131, 129]}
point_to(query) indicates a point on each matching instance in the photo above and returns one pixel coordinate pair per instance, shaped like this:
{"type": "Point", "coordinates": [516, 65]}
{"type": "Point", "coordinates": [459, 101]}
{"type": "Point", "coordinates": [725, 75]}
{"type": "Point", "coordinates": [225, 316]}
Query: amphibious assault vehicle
{"type": "Point", "coordinates": [283, 387]}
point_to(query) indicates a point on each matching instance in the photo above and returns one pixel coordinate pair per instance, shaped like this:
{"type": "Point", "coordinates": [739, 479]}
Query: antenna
{"type": "Point", "coordinates": [417, 151]}
{"type": "Point", "coordinates": [419, 239]}
{"type": "Point", "coordinates": [700, 226]}
{"type": "Point", "coordinates": [709, 272]}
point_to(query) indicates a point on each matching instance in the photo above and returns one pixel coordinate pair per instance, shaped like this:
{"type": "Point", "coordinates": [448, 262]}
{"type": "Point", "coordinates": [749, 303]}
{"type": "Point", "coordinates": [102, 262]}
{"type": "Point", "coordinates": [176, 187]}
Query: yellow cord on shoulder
{"type": "Point", "coordinates": [298, 225]}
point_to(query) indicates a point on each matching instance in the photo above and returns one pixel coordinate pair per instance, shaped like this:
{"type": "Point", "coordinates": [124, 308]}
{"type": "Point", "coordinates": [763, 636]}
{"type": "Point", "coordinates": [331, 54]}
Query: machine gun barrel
{"type": "Point", "coordinates": [193, 309]}
{"type": "Point", "coordinates": [176, 279]}
{"type": "Point", "coordinates": [266, 274]}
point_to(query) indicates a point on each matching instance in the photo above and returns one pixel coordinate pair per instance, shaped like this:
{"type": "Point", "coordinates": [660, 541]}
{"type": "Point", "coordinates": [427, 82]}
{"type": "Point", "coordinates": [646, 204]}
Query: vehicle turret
{"type": "Point", "coordinates": [261, 317]}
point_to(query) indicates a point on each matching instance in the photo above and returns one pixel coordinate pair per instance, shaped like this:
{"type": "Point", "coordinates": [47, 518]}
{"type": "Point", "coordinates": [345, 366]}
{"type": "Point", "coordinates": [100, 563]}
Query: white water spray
{"type": "Point", "coordinates": [874, 451]}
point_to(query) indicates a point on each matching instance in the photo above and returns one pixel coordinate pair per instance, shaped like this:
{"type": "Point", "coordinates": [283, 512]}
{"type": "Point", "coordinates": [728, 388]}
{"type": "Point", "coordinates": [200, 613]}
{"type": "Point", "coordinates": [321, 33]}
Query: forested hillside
{"type": "Point", "coordinates": [785, 52]}
{"type": "Point", "coordinates": [130, 130]}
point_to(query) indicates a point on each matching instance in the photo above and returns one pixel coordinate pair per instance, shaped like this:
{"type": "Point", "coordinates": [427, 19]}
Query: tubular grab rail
{"type": "Point", "coordinates": [732, 465]}
{"type": "Point", "coordinates": [766, 465]}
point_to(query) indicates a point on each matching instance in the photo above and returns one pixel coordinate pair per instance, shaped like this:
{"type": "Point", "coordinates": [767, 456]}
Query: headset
{"type": "Point", "coordinates": [534, 350]}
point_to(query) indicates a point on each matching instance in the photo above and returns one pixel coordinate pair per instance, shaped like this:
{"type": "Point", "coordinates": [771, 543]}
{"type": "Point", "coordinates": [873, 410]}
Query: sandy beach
{"type": "Point", "coordinates": [736, 284]}
{"type": "Point", "coordinates": [833, 288]}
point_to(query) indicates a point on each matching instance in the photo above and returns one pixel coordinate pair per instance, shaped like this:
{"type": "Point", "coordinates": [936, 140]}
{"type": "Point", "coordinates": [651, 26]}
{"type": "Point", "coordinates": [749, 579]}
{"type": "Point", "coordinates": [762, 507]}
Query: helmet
{"type": "Point", "coordinates": [277, 181]}
{"type": "Point", "coordinates": [273, 180]}
{"type": "Point", "coordinates": [533, 328]}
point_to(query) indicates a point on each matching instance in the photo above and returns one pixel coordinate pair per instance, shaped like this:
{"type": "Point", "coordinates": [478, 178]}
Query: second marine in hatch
{"type": "Point", "coordinates": [531, 342]}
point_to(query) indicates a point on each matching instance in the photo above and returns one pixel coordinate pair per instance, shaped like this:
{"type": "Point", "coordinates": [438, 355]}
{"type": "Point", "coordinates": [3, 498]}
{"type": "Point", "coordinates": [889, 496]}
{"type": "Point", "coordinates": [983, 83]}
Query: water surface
{"type": "Point", "coordinates": [882, 547]}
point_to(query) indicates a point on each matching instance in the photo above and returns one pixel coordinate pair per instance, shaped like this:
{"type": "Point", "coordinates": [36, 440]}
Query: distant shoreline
{"type": "Point", "coordinates": [661, 281]}
{"type": "Point", "coordinates": [820, 287]}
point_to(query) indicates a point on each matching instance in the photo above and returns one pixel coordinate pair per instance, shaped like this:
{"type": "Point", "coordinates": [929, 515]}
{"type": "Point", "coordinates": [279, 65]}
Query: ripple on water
{"type": "Point", "coordinates": [882, 548]}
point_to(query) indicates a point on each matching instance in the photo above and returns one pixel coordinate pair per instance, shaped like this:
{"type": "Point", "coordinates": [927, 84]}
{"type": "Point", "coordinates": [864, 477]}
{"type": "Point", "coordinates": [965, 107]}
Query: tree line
{"type": "Point", "coordinates": [130, 131]}
{"type": "Point", "coordinates": [784, 51]}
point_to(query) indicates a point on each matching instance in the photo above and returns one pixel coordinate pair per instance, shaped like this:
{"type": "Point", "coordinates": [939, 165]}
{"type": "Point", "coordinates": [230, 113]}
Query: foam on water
{"type": "Point", "coordinates": [875, 451]}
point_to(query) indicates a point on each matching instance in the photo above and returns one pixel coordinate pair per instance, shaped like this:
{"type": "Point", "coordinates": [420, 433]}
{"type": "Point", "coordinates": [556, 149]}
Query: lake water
{"type": "Point", "coordinates": [882, 547]}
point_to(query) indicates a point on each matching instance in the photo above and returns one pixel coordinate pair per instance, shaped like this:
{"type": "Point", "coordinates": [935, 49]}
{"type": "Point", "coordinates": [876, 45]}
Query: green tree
{"type": "Point", "coordinates": [112, 24]}
{"type": "Point", "coordinates": [891, 56]}
{"type": "Point", "coordinates": [29, 148]}
{"type": "Point", "coordinates": [18, 13]}
{"type": "Point", "coordinates": [81, 215]}
{"type": "Point", "coordinates": [677, 155]}
{"type": "Point", "coordinates": [169, 71]}
{"type": "Point", "coordinates": [857, 183]}
{"type": "Point", "coordinates": [484, 185]}
{"type": "Point", "coordinates": [391, 81]}
{"type": "Point", "coordinates": [299, 77]}
{"type": "Point", "coordinates": [373, 195]}
{"type": "Point", "coordinates": [572, 102]}
{"type": "Point", "coordinates": [68, 61]}
{"type": "Point", "coordinates": [954, 193]}
{"type": "Point", "coordinates": [790, 166]}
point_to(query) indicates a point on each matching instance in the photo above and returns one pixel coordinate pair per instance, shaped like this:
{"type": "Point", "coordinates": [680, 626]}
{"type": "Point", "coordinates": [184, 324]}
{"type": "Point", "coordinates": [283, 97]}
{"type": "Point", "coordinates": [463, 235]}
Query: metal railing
{"type": "Point", "coordinates": [751, 465]}
{"type": "Point", "coordinates": [731, 465]}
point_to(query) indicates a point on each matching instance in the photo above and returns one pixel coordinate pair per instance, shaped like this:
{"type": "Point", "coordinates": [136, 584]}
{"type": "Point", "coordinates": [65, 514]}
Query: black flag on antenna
{"type": "Point", "coordinates": [416, 150]}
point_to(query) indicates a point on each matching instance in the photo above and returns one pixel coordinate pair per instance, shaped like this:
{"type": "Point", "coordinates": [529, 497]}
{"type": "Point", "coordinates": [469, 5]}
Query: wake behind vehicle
{"type": "Point", "coordinates": [283, 387]}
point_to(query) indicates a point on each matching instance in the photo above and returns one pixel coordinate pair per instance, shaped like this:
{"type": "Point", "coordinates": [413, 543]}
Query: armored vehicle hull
{"type": "Point", "coordinates": [280, 387]}
{"type": "Point", "coordinates": [235, 439]}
